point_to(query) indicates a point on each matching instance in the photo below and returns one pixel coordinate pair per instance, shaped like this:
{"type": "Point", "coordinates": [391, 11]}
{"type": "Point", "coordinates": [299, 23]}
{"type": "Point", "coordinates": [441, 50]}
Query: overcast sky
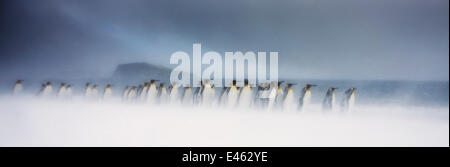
{"type": "Point", "coordinates": [382, 39]}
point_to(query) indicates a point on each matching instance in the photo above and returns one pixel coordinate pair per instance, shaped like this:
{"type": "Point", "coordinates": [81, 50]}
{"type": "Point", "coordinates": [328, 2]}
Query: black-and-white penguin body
{"type": "Point", "coordinates": [198, 94]}
{"type": "Point", "coordinates": [68, 91]}
{"type": "Point", "coordinates": [261, 96]}
{"type": "Point", "coordinates": [132, 93]}
{"type": "Point", "coordinates": [144, 91]}
{"type": "Point", "coordinates": [207, 94]}
{"type": "Point", "coordinates": [232, 96]}
{"type": "Point", "coordinates": [139, 91]}
{"type": "Point", "coordinates": [348, 101]}
{"type": "Point", "coordinates": [107, 93]}
{"type": "Point", "coordinates": [222, 99]}
{"type": "Point", "coordinates": [305, 97]}
{"type": "Point", "coordinates": [87, 90]}
{"type": "Point", "coordinates": [94, 93]}
{"type": "Point", "coordinates": [152, 92]}
{"type": "Point", "coordinates": [289, 102]}
{"type": "Point", "coordinates": [46, 90]}
{"type": "Point", "coordinates": [61, 91]}
{"type": "Point", "coordinates": [196, 97]}
{"type": "Point", "coordinates": [162, 94]}
{"type": "Point", "coordinates": [187, 98]}
{"type": "Point", "coordinates": [18, 87]}
{"type": "Point", "coordinates": [245, 96]}
{"type": "Point", "coordinates": [125, 93]}
{"type": "Point", "coordinates": [174, 95]}
{"type": "Point", "coordinates": [329, 101]}
{"type": "Point", "coordinates": [277, 101]}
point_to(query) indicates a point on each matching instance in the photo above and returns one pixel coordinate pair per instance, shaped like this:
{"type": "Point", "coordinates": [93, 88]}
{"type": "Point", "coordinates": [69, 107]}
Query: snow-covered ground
{"type": "Point", "coordinates": [29, 121]}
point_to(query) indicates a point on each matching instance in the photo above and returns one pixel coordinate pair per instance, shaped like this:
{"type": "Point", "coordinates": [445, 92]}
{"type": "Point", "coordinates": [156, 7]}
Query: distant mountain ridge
{"type": "Point", "coordinates": [141, 71]}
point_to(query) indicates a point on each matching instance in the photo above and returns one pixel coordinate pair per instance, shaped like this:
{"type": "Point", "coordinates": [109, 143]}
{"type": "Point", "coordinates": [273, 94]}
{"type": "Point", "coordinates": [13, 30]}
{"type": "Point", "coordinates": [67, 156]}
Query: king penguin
{"type": "Point", "coordinates": [174, 96]}
{"type": "Point", "coordinates": [139, 91]}
{"type": "Point", "coordinates": [144, 92]}
{"type": "Point", "coordinates": [348, 101]}
{"type": "Point", "coordinates": [278, 101]}
{"type": "Point", "coordinates": [289, 103]}
{"type": "Point", "coordinates": [68, 91]}
{"type": "Point", "coordinates": [61, 91]}
{"type": "Point", "coordinates": [207, 93]}
{"type": "Point", "coordinates": [46, 90]}
{"type": "Point", "coordinates": [330, 100]}
{"type": "Point", "coordinates": [17, 89]}
{"type": "Point", "coordinates": [107, 94]}
{"type": "Point", "coordinates": [198, 94]}
{"type": "Point", "coordinates": [261, 97]}
{"type": "Point", "coordinates": [87, 90]}
{"type": "Point", "coordinates": [132, 93]}
{"type": "Point", "coordinates": [162, 94]}
{"type": "Point", "coordinates": [187, 96]}
{"type": "Point", "coordinates": [152, 93]}
{"type": "Point", "coordinates": [94, 92]}
{"type": "Point", "coordinates": [245, 96]}
{"type": "Point", "coordinates": [305, 98]}
{"type": "Point", "coordinates": [232, 95]}
{"type": "Point", "coordinates": [125, 93]}
{"type": "Point", "coordinates": [223, 96]}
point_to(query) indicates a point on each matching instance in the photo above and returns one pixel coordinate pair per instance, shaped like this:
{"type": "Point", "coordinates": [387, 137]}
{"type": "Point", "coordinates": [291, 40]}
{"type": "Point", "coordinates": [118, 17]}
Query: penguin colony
{"type": "Point", "coordinates": [265, 96]}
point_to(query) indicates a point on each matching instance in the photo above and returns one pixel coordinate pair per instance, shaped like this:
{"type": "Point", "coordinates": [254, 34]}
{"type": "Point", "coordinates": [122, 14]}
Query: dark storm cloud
{"type": "Point", "coordinates": [315, 39]}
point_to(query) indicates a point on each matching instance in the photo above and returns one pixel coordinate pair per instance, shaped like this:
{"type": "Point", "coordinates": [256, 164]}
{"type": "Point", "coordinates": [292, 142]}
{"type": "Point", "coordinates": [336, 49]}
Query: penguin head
{"type": "Point", "coordinates": [108, 86]}
{"type": "Point", "coordinates": [234, 82]}
{"type": "Point", "coordinates": [48, 84]}
{"type": "Point", "coordinates": [95, 86]}
{"type": "Point", "coordinates": [279, 83]}
{"type": "Point", "coordinates": [88, 84]}
{"type": "Point", "coordinates": [351, 90]}
{"type": "Point", "coordinates": [289, 85]}
{"type": "Point", "coordinates": [206, 83]}
{"type": "Point", "coordinates": [309, 86]}
{"type": "Point", "coordinates": [69, 86]}
{"type": "Point", "coordinates": [63, 84]}
{"type": "Point", "coordinates": [331, 89]}
{"type": "Point", "coordinates": [19, 81]}
{"type": "Point", "coordinates": [246, 82]}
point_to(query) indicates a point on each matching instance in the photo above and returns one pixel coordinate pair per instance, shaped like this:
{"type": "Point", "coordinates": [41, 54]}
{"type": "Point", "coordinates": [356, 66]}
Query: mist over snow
{"type": "Point", "coordinates": [31, 121]}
